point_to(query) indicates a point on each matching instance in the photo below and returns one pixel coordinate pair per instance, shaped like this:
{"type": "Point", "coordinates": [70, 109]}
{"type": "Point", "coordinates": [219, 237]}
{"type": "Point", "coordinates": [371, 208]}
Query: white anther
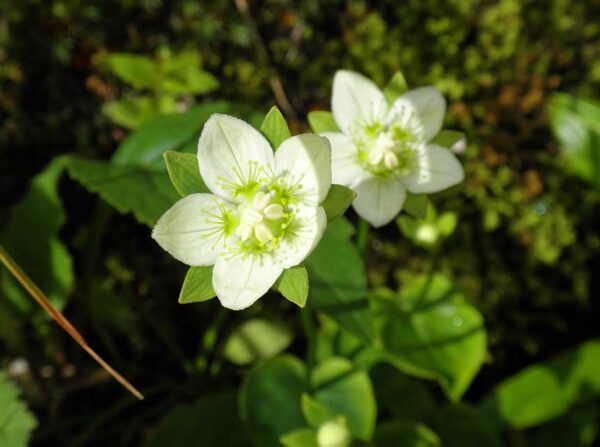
{"type": "Point", "coordinates": [261, 200]}
{"type": "Point", "coordinates": [244, 231]}
{"type": "Point", "coordinates": [273, 212]}
{"type": "Point", "coordinates": [262, 233]}
{"type": "Point", "coordinates": [390, 160]}
{"type": "Point", "coordinates": [251, 217]}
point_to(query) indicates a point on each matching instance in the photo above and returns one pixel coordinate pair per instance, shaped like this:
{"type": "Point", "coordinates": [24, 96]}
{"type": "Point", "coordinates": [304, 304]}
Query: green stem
{"type": "Point", "coordinates": [311, 341]}
{"type": "Point", "coordinates": [362, 238]}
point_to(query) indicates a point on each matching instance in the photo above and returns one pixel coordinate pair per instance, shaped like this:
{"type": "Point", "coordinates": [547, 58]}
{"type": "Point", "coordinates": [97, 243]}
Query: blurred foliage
{"type": "Point", "coordinates": [522, 254]}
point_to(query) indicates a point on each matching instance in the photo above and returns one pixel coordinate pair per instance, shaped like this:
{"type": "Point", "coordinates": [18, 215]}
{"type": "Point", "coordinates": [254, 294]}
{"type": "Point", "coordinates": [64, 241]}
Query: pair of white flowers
{"type": "Point", "coordinates": [264, 213]}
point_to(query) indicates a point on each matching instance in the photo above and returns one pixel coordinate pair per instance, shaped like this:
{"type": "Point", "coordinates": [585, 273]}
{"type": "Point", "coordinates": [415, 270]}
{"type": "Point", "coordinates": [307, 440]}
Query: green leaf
{"type": "Point", "coordinates": [256, 340]}
{"type": "Point", "coordinates": [210, 421]}
{"type": "Point", "coordinates": [434, 333]}
{"type": "Point", "coordinates": [338, 282]}
{"type": "Point", "coordinates": [396, 87]}
{"type": "Point", "coordinates": [305, 437]}
{"type": "Point", "coordinates": [137, 71]}
{"type": "Point", "coordinates": [547, 390]}
{"type": "Point", "coordinates": [315, 413]}
{"type": "Point", "coordinates": [182, 74]}
{"type": "Point", "coordinates": [321, 121]}
{"type": "Point", "coordinates": [133, 112]}
{"type": "Point", "coordinates": [347, 391]}
{"type": "Point", "coordinates": [416, 205]}
{"type": "Point", "coordinates": [338, 200]}
{"type": "Point", "coordinates": [145, 192]}
{"type": "Point", "coordinates": [197, 286]}
{"type": "Point", "coordinates": [275, 128]}
{"type": "Point", "coordinates": [293, 285]}
{"type": "Point", "coordinates": [270, 400]}
{"type": "Point", "coordinates": [405, 433]}
{"type": "Point", "coordinates": [449, 138]}
{"type": "Point", "coordinates": [30, 236]}
{"type": "Point", "coordinates": [146, 145]}
{"type": "Point", "coordinates": [184, 173]}
{"type": "Point", "coordinates": [463, 425]}
{"type": "Point", "coordinates": [574, 122]}
{"type": "Point", "coordinates": [16, 421]}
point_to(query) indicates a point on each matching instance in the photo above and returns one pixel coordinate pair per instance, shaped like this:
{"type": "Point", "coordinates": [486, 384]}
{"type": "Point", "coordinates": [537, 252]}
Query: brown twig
{"type": "Point", "coordinates": [62, 321]}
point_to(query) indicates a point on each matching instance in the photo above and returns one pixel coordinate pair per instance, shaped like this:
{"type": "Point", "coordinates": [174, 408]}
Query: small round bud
{"type": "Point", "coordinates": [333, 434]}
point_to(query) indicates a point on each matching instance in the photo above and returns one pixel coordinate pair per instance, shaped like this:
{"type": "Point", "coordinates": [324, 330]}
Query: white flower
{"type": "Point", "coordinates": [384, 150]}
{"type": "Point", "coordinates": [263, 216]}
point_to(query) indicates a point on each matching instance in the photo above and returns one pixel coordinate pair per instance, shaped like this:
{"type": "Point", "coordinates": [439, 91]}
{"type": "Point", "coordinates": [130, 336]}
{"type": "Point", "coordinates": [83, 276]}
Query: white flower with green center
{"type": "Point", "coordinates": [385, 150]}
{"type": "Point", "coordinates": [263, 216]}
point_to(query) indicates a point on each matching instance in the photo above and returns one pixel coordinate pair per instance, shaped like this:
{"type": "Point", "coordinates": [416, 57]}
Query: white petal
{"type": "Point", "coordinates": [192, 229]}
{"type": "Point", "coordinates": [240, 280]}
{"type": "Point", "coordinates": [428, 104]}
{"type": "Point", "coordinates": [379, 199]}
{"type": "Point", "coordinates": [437, 169]}
{"type": "Point", "coordinates": [306, 160]}
{"type": "Point", "coordinates": [229, 152]}
{"type": "Point", "coordinates": [356, 98]}
{"type": "Point", "coordinates": [302, 237]}
{"type": "Point", "coordinates": [345, 169]}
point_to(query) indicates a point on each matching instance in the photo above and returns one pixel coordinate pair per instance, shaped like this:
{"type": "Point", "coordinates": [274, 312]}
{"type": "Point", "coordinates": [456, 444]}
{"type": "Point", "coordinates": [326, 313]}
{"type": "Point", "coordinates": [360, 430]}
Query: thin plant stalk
{"type": "Point", "coordinates": [62, 321]}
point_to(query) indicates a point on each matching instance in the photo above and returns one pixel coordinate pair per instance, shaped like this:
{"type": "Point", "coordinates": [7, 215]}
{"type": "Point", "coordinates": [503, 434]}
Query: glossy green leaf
{"type": "Point", "coordinates": [434, 333]}
{"type": "Point", "coordinates": [275, 128]}
{"type": "Point", "coordinates": [305, 437]}
{"type": "Point", "coordinates": [396, 87]}
{"type": "Point", "coordinates": [338, 283]}
{"type": "Point", "coordinates": [547, 390]}
{"type": "Point", "coordinates": [416, 205]}
{"type": "Point", "coordinates": [346, 391]}
{"type": "Point", "coordinates": [270, 400]}
{"type": "Point", "coordinates": [197, 285]}
{"type": "Point", "coordinates": [463, 425]}
{"type": "Point", "coordinates": [16, 421]}
{"type": "Point", "coordinates": [210, 421]}
{"type": "Point", "coordinates": [255, 340]}
{"type": "Point", "coordinates": [146, 145]}
{"type": "Point", "coordinates": [450, 139]}
{"type": "Point", "coordinates": [293, 285]}
{"type": "Point", "coordinates": [405, 433]}
{"type": "Point", "coordinates": [136, 70]}
{"type": "Point", "coordinates": [30, 236]}
{"type": "Point", "coordinates": [338, 200]}
{"type": "Point", "coordinates": [574, 122]}
{"type": "Point", "coordinates": [145, 192]}
{"type": "Point", "coordinates": [321, 121]}
{"type": "Point", "coordinates": [184, 173]}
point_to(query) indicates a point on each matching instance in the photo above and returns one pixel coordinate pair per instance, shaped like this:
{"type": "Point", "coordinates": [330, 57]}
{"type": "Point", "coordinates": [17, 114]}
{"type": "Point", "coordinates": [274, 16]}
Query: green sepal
{"type": "Point", "coordinates": [184, 173]}
{"type": "Point", "coordinates": [448, 138]}
{"type": "Point", "coordinates": [293, 285]}
{"type": "Point", "coordinates": [396, 87]}
{"type": "Point", "coordinates": [338, 200]}
{"type": "Point", "coordinates": [315, 413]}
{"type": "Point", "coordinates": [303, 437]}
{"type": "Point", "coordinates": [197, 286]}
{"type": "Point", "coordinates": [416, 205]}
{"type": "Point", "coordinates": [321, 121]}
{"type": "Point", "coordinates": [275, 128]}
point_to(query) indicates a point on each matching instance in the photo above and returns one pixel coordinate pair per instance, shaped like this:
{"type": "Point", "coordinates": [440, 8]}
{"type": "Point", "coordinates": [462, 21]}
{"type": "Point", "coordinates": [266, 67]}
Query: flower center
{"type": "Point", "coordinates": [262, 222]}
{"type": "Point", "coordinates": [386, 149]}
